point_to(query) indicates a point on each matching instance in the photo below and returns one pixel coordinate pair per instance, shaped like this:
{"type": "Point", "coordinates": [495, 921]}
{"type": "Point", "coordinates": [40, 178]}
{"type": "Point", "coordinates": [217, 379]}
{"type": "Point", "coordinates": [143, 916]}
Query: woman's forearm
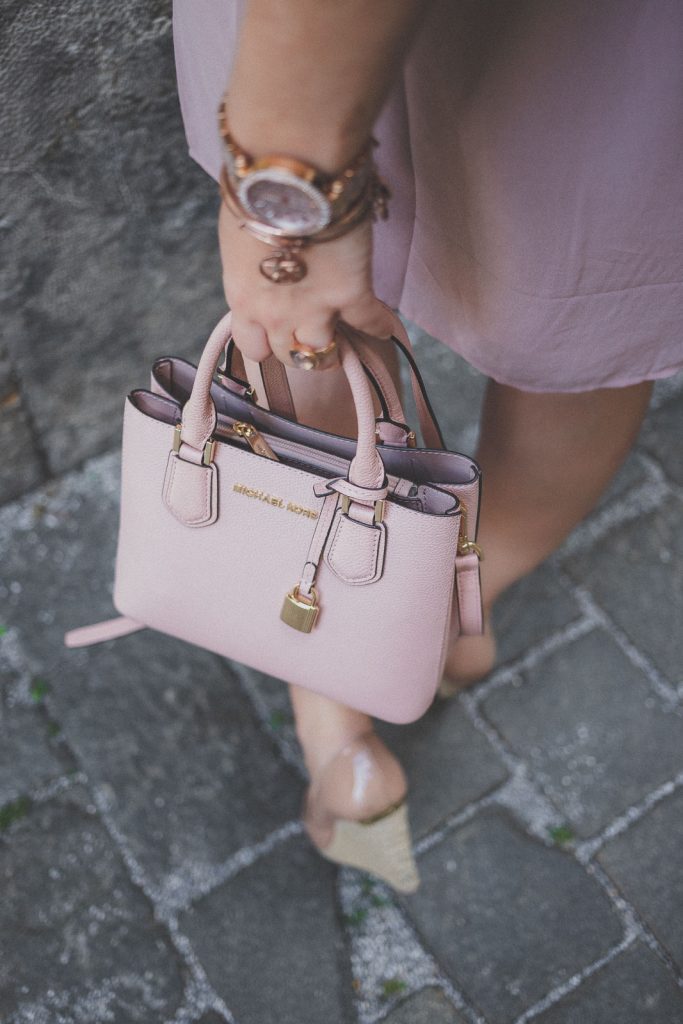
{"type": "Point", "coordinates": [310, 76]}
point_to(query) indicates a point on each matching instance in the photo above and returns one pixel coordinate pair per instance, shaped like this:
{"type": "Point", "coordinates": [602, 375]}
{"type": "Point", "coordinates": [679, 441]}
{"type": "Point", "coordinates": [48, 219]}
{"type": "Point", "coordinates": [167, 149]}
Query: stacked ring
{"type": "Point", "coordinates": [305, 357]}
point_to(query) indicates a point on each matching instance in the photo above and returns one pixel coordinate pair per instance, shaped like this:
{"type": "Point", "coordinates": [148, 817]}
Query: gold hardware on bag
{"type": "Point", "coordinates": [378, 506]}
{"type": "Point", "coordinates": [209, 448]}
{"type": "Point", "coordinates": [256, 441]}
{"type": "Point", "coordinates": [465, 545]}
{"type": "Point", "coordinates": [300, 612]}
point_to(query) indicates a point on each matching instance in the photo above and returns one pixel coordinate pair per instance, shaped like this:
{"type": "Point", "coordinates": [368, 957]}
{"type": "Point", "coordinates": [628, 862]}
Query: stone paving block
{"type": "Point", "coordinates": [270, 940]}
{"type": "Point", "coordinates": [78, 940]}
{"type": "Point", "coordinates": [161, 725]}
{"type": "Point", "coordinates": [530, 611]}
{"type": "Point", "coordinates": [633, 988]}
{"type": "Point", "coordinates": [632, 473]}
{"type": "Point", "coordinates": [635, 574]}
{"type": "Point", "coordinates": [449, 763]}
{"type": "Point", "coordinates": [30, 752]}
{"type": "Point", "coordinates": [429, 1006]}
{"type": "Point", "coordinates": [661, 437]}
{"type": "Point", "coordinates": [646, 864]}
{"type": "Point", "coordinates": [506, 917]}
{"type": "Point", "coordinates": [667, 388]}
{"type": "Point", "coordinates": [589, 725]}
{"type": "Point", "coordinates": [57, 567]}
{"type": "Point", "coordinates": [187, 774]}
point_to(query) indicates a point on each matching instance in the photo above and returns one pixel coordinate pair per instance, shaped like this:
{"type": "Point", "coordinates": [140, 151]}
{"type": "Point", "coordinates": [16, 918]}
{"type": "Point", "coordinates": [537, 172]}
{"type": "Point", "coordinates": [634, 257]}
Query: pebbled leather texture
{"type": "Point", "coordinates": [451, 471]}
{"type": "Point", "coordinates": [469, 606]}
{"type": "Point", "coordinates": [190, 491]}
{"type": "Point", "coordinates": [222, 588]}
{"type": "Point", "coordinates": [355, 550]}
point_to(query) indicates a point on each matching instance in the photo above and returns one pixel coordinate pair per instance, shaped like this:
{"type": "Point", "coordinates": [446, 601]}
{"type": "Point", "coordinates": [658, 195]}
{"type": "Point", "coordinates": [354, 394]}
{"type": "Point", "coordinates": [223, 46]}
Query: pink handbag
{"type": "Point", "coordinates": [325, 561]}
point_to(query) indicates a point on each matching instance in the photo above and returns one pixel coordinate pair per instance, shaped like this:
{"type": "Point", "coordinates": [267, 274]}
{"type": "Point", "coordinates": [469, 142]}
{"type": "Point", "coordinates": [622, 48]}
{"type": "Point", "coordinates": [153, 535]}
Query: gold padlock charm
{"type": "Point", "coordinates": [300, 612]}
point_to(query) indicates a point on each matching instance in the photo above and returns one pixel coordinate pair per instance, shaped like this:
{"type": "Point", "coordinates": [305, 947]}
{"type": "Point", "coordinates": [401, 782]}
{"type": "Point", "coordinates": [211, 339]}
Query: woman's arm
{"type": "Point", "coordinates": [310, 76]}
{"type": "Point", "coordinates": [309, 79]}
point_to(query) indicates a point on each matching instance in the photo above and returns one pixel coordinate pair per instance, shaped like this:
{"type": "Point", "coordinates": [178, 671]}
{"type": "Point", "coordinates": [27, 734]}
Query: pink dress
{"type": "Point", "coordinates": [535, 153]}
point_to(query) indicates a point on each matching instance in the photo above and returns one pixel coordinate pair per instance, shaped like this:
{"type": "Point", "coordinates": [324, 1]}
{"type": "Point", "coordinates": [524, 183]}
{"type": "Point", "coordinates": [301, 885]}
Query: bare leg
{"type": "Point", "coordinates": [546, 459]}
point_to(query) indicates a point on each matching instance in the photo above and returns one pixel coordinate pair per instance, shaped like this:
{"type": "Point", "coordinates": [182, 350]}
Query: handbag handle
{"type": "Point", "coordinates": [199, 418]}
{"type": "Point", "coordinates": [279, 397]}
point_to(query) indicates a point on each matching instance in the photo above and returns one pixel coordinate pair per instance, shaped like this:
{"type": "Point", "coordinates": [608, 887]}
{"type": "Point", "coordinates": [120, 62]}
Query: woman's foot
{"type": "Point", "coordinates": [355, 809]}
{"type": "Point", "coordinates": [355, 812]}
{"type": "Point", "coordinates": [469, 659]}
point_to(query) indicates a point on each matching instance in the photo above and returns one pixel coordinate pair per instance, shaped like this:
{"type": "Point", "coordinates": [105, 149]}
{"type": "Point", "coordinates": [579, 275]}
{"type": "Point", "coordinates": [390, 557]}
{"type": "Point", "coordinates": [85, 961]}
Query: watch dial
{"type": "Point", "coordinates": [284, 206]}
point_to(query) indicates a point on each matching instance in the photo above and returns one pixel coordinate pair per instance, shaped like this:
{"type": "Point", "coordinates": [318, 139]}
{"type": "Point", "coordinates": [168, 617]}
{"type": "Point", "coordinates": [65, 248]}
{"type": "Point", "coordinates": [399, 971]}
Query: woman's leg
{"type": "Point", "coordinates": [546, 459]}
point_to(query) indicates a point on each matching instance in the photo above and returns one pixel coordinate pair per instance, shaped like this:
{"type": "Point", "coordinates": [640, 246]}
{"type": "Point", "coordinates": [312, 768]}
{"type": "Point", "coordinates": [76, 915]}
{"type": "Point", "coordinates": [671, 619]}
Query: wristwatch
{"type": "Point", "coordinates": [288, 195]}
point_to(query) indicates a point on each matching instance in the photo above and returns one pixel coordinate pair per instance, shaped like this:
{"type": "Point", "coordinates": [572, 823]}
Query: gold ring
{"type": "Point", "coordinates": [305, 357]}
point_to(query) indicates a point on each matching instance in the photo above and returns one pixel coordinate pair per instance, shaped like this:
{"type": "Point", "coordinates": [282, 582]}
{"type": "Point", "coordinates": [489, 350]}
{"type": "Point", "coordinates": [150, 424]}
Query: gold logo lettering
{"type": "Point", "coordinates": [272, 499]}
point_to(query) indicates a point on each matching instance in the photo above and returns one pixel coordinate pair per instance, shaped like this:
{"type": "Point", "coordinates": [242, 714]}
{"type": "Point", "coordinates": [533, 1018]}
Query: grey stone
{"type": "Point", "coordinates": [455, 389]}
{"type": "Point", "coordinates": [633, 988]}
{"type": "Point", "coordinates": [429, 1006]}
{"type": "Point", "coordinates": [449, 763]}
{"type": "Point", "coordinates": [57, 565]}
{"type": "Point", "coordinates": [635, 575]}
{"type": "Point", "coordinates": [507, 917]}
{"type": "Point", "coordinates": [188, 776]}
{"type": "Point", "coordinates": [587, 722]}
{"type": "Point", "coordinates": [661, 437]}
{"type": "Point", "coordinates": [161, 725]}
{"type": "Point", "coordinates": [270, 942]}
{"type": "Point", "coordinates": [20, 468]}
{"type": "Point", "coordinates": [631, 474]}
{"type": "Point", "coordinates": [78, 941]}
{"type": "Point", "coordinates": [530, 611]}
{"type": "Point", "coordinates": [667, 388]}
{"type": "Point", "coordinates": [112, 226]}
{"type": "Point", "coordinates": [31, 753]}
{"type": "Point", "coordinates": [645, 862]}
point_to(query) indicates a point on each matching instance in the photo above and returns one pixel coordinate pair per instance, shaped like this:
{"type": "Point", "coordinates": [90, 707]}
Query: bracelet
{"type": "Point", "coordinates": [326, 205]}
{"type": "Point", "coordinates": [286, 264]}
{"type": "Point", "coordinates": [330, 194]}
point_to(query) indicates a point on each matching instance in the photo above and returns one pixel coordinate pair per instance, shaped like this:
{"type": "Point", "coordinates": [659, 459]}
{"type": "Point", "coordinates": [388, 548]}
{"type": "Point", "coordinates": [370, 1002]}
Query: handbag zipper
{"type": "Point", "coordinates": [465, 545]}
{"type": "Point", "coordinates": [256, 441]}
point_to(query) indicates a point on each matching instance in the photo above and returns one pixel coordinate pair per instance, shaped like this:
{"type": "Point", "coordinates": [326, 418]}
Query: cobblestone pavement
{"type": "Point", "coordinates": [153, 867]}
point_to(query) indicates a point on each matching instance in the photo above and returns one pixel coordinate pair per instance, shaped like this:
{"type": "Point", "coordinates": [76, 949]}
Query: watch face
{"type": "Point", "coordinates": [284, 201]}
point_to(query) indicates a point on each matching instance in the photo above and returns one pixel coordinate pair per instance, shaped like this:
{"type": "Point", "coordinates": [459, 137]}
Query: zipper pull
{"type": "Point", "coordinates": [256, 441]}
{"type": "Point", "coordinates": [465, 545]}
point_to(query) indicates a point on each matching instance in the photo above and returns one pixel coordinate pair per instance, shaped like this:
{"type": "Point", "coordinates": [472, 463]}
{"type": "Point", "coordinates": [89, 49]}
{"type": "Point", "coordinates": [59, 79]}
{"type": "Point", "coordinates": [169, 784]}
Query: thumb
{"type": "Point", "coordinates": [370, 316]}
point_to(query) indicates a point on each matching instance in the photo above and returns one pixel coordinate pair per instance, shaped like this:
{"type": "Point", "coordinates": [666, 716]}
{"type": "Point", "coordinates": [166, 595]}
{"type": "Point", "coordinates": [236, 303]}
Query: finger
{"type": "Point", "coordinates": [370, 316]}
{"type": "Point", "coordinates": [314, 333]}
{"type": "Point", "coordinates": [250, 338]}
{"type": "Point", "coordinates": [319, 333]}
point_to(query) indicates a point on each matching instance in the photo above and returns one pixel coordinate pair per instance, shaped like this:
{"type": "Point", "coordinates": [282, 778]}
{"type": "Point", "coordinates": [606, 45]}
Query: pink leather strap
{"type": "Point", "coordinates": [110, 629]}
{"type": "Point", "coordinates": [317, 545]}
{"type": "Point", "coordinates": [468, 588]}
{"type": "Point", "coordinates": [269, 380]}
{"type": "Point", "coordinates": [199, 413]}
{"type": "Point", "coordinates": [278, 396]}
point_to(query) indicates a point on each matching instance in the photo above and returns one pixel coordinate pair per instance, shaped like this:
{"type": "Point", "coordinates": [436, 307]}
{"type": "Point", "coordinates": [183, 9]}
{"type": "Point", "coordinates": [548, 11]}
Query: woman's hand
{"type": "Point", "coordinates": [337, 285]}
